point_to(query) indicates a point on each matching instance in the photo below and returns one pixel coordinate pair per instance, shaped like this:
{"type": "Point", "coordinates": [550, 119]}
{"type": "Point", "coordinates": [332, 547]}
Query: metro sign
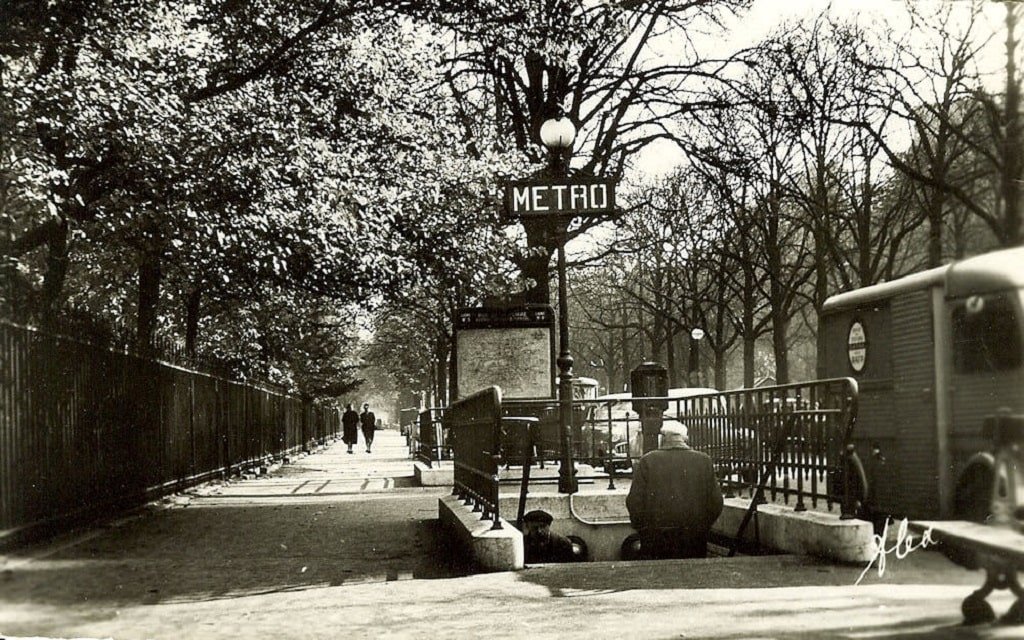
{"type": "Point", "coordinates": [531, 199]}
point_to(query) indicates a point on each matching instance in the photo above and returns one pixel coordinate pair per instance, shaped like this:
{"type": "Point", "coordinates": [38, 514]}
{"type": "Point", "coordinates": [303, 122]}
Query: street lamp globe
{"type": "Point", "coordinates": [558, 133]}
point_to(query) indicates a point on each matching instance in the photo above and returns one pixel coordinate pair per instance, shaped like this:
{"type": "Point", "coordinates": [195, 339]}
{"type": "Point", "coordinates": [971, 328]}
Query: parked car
{"type": "Point", "coordinates": [620, 460]}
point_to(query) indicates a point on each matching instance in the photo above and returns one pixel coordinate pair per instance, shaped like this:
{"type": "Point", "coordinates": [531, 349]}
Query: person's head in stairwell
{"type": "Point", "coordinates": [540, 543]}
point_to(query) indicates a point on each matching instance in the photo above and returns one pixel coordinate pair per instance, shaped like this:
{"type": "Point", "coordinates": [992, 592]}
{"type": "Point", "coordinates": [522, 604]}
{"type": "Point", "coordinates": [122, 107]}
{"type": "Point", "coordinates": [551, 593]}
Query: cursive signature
{"type": "Point", "coordinates": [902, 548]}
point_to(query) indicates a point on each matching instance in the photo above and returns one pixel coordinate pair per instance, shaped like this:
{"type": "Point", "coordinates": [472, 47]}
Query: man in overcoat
{"type": "Point", "coordinates": [350, 426]}
{"type": "Point", "coordinates": [674, 498]}
{"type": "Point", "coordinates": [369, 425]}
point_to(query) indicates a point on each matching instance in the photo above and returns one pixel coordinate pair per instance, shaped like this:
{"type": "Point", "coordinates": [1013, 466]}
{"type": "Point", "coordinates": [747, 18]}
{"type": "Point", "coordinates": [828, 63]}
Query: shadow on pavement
{"type": "Point", "coordinates": [207, 553]}
{"type": "Point", "coordinates": [743, 572]}
{"type": "Point", "coordinates": [586, 580]}
{"type": "Point", "coordinates": [929, 627]}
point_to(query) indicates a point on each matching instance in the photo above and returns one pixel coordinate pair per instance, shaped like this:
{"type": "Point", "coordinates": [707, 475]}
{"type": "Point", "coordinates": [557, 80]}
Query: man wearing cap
{"type": "Point", "coordinates": [674, 498]}
{"type": "Point", "coordinates": [541, 544]}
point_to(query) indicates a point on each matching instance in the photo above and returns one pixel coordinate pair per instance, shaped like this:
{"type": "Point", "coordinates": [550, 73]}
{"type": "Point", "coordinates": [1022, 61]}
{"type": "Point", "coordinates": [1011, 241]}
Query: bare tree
{"type": "Point", "coordinates": [933, 86]}
{"type": "Point", "coordinates": [756, 143]}
{"type": "Point", "coordinates": [597, 62]}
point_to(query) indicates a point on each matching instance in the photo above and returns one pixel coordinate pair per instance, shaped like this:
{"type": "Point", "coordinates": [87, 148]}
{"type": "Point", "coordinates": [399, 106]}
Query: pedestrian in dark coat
{"type": "Point", "coordinates": [674, 498]}
{"type": "Point", "coordinates": [369, 425]}
{"type": "Point", "coordinates": [350, 426]}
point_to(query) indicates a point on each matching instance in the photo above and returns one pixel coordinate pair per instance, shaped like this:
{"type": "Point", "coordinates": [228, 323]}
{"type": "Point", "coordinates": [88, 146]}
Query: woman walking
{"type": "Point", "coordinates": [350, 424]}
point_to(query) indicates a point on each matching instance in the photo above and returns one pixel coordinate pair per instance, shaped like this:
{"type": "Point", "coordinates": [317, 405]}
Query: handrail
{"type": "Point", "coordinates": [474, 425]}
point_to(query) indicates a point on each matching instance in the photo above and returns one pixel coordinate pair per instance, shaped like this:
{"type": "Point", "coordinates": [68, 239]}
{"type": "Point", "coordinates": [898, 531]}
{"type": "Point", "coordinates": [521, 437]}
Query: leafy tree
{"type": "Point", "coordinates": [220, 158]}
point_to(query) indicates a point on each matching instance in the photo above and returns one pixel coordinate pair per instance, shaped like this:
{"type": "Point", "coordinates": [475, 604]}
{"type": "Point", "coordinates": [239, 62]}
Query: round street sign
{"type": "Point", "coordinates": [857, 346]}
{"type": "Point", "coordinates": [697, 333]}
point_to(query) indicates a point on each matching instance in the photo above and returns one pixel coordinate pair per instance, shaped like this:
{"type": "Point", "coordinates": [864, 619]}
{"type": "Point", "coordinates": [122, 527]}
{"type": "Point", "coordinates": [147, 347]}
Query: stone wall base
{"type": "Point", "coordinates": [492, 549]}
{"type": "Point", "coordinates": [601, 520]}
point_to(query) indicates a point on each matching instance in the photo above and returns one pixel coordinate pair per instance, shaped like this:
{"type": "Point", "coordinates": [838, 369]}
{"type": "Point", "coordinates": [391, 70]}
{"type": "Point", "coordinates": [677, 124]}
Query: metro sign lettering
{"type": "Point", "coordinates": [525, 199]}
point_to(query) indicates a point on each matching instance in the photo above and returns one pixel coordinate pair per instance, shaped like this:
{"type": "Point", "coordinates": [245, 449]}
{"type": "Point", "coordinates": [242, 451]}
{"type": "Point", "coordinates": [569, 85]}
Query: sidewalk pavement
{"type": "Point", "coordinates": [339, 545]}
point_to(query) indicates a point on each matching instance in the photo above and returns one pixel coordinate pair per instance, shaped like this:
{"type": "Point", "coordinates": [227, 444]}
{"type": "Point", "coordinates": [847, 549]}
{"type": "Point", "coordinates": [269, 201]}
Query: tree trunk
{"type": "Point", "coordinates": [780, 348]}
{"type": "Point", "coordinates": [56, 273]}
{"type": "Point", "coordinates": [536, 269]}
{"type": "Point", "coordinates": [442, 360]}
{"type": "Point", "coordinates": [820, 295]}
{"type": "Point", "coordinates": [777, 291]}
{"type": "Point", "coordinates": [148, 299]}
{"type": "Point", "coordinates": [935, 231]}
{"type": "Point", "coordinates": [693, 368]}
{"type": "Point", "coordinates": [670, 357]}
{"type": "Point", "coordinates": [937, 198]}
{"type": "Point", "coordinates": [721, 380]}
{"type": "Point", "coordinates": [749, 353]}
{"type": "Point", "coordinates": [452, 371]}
{"type": "Point", "coordinates": [623, 364]}
{"type": "Point", "coordinates": [749, 339]}
{"type": "Point", "coordinates": [535, 264]}
{"type": "Point", "coordinates": [718, 341]}
{"type": "Point", "coordinates": [192, 310]}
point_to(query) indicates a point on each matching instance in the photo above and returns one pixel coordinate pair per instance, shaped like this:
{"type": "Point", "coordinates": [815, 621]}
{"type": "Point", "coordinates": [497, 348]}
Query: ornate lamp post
{"type": "Point", "coordinates": [557, 135]}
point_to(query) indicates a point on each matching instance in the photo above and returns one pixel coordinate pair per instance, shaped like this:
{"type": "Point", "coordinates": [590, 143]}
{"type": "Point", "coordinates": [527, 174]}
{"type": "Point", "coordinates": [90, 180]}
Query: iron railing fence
{"type": "Point", "coordinates": [429, 442]}
{"type": "Point", "coordinates": [474, 434]}
{"type": "Point", "coordinates": [85, 430]}
{"type": "Point", "coordinates": [780, 443]}
{"type": "Point", "coordinates": [792, 438]}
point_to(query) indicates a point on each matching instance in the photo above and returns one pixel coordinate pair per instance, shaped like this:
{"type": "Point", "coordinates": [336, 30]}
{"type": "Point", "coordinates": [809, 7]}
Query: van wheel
{"type": "Point", "coordinates": [973, 495]}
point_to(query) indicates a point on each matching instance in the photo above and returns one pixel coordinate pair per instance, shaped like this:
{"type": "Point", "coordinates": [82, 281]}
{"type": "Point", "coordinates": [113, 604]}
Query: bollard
{"type": "Point", "coordinates": [649, 380]}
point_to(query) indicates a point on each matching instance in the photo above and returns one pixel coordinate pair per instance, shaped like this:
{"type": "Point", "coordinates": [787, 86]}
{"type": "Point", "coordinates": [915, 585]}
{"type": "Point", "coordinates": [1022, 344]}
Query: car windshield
{"type": "Point", "coordinates": [619, 411]}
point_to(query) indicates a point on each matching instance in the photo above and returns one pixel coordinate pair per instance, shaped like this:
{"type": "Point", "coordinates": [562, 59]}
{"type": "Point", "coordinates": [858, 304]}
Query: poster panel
{"type": "Point", "coordinates": [510, 348]}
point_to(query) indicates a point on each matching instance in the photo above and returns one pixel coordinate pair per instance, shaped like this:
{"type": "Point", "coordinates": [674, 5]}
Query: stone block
{"type": "Point", "coordinates": [492, 549]}
{"type": "Point", "coordinates": [443, 476]}
{"type": "Point", "coordinates": [813, 533]}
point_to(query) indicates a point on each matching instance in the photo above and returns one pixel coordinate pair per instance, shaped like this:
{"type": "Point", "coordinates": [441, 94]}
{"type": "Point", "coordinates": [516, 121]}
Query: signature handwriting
{"type": "Point", "coordinates": [905, 543]}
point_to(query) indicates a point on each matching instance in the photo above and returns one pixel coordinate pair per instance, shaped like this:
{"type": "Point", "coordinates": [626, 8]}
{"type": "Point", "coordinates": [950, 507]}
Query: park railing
{"type": "Point", "coordinates": [86, 431]}
{"type": "Point", "coordinates": [474, 434]}
{"type": "Point", "coordinates": [429, 444]}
